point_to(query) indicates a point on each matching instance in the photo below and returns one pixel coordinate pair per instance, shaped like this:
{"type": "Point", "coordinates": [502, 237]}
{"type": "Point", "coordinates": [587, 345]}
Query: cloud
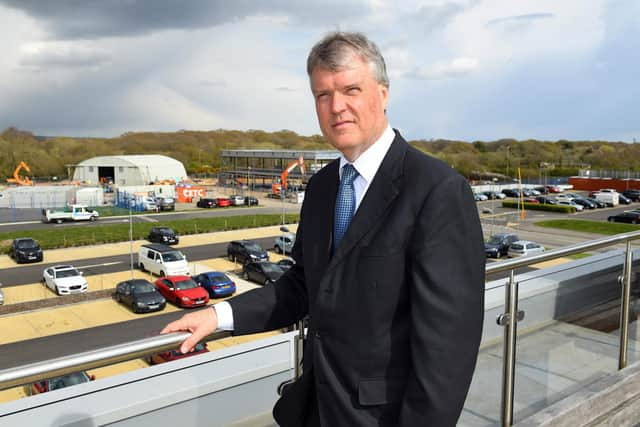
{"type": "Point", "coordinates": [286, 89]}
{"type": "Point", "coordinates": [518, 21]}
{"type": "Point", "coordinates": [444, 70]}
{"type": "Point", "coordinates": [43, 55]}
{"type": "Point", "coordinates": [432, 18]}
{"type": "Point", "coordinates": [90, 19]}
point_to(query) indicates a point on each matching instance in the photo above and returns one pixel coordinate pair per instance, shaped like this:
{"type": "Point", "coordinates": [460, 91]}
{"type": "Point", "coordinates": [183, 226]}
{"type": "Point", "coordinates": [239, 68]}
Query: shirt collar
{"type": "Point", "coordinates": [367, 163]}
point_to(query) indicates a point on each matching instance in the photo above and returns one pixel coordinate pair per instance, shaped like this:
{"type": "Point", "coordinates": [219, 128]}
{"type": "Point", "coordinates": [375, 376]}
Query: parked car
{"type": "Point", "coordinates": [140, 295]}
{"type": "Point", "coordinates": [528, 192]}
{"type": "Point", "coordinates": [166, 203]}
{"type": "Point", "coordinates": [572, 203]}
{"type": "Point", "coordinates": [164, 235]}
{"type": "Point", "coordinates": [553, 189]}
{"type": "Point", "coordinates": [524, 248]}
{"type": "Point", "coordinates": [251, 201]}
{"type": "Point", "coordinates": [162, 260]}
{"type": "Point", "coordinates": [480, 197]}
{"type": "Point", "coordinates": [216, 284]}
{"type": "Point", "coordinates": [222, 202]}
{"type": "Point", "coordinates": [1, 295]}
{"type": "Point", "coordinates": [546, 200]}
{"type": "Point", "coordinates": [491, 195]}
{"type": "Point", "coordinates": [25, 249]}
{"type": "Point", "coordinates": [585, 203]}
{"type": "Point", "coordinates": [531, 200]}
{"type": "Point", "coordinates": [262, 272]}
{"type": "Point", "coordinates": [182, 290]}
{"type": "Point", "coordinates": [498, 244]}
{"type": "Point", "coordinates": [286, 263]}
{"type": "Point", "coordinates": [245, 251]}
{"type": "Point", "coordinates": [633, 194]}
{"type": "Point", "coordinates": [56, 383]}
{"type": "Point", "coordinates": [511, 192]}
{"type": "Point", "coordinates": [168, 356]}
{"type": "Point", "coordinates": [629, 217]}
{"type": "Point", "coordinates": [206, 203]}
{"type": "Point", "coordinates": [598, 203]}
{"type": "Point", "coordinates": [284, 243]}
{"type": "Point", "coordinates": [64, 280]}
{"type": "Point", "coordinates": [236, 200]}
{"type": "Point", "coordinates": [624, 200]}
{"type": "Point", "coordinates": [565, 197]}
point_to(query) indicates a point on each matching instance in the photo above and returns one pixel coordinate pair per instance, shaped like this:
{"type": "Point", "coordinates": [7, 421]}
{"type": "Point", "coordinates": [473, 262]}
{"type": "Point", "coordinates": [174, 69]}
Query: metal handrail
{"type": "Point", "coordinates": [577, 248]}
{"type": "Point", "coordinates": [97, 358]}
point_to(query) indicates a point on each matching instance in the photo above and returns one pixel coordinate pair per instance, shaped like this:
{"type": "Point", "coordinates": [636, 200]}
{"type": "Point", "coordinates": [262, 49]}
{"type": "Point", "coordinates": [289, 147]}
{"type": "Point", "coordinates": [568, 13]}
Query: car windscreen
{"type": "Point", "coordinates": [216, 280]}
{"type": "Point", "coordinates": [517, 246]}
{"type": "Point", "coordinates": [495, 240]}
{"type": "Point", "coordinates": [186, 284]}
{"type": "Point", "coordinates": [166, 231]}
{"type": "Point", "coordinates": [67, 273]}
{"type": "Point", "coordinates": [26, 244]}
{"type": "Point", "coordinates": [172, 256]}
{"type": "Point", "coordinates": [272, 268]}
{"type": "Point", "coordinates": [143, 288]}
{"type": "Point", "coordinates": [253, 247]}
{"type": "Point", "coordinates": [68, 380]}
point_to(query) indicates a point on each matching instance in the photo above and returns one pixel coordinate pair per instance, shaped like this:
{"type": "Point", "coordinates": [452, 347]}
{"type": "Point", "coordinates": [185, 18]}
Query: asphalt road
{"type": "Point", "coordinates": [28, 274]}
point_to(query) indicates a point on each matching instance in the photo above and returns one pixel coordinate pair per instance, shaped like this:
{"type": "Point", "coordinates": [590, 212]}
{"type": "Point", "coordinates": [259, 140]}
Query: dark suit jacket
{"type": "Point", "coordinates": [395, 315]}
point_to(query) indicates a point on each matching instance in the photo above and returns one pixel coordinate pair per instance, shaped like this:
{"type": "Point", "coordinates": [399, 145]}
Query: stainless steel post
{"type": "Point", "coordinates": [624, 307]}
{"type": "Point", "coordinates": [509, 349]}
{"type": "Point", "coordinates": [299, 349]}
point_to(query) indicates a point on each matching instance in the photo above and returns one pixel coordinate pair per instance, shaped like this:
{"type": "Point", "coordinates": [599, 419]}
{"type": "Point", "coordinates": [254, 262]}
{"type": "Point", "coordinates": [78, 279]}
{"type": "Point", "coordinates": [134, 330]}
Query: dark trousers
{"type": "Point", "coordinates": [312, 418]}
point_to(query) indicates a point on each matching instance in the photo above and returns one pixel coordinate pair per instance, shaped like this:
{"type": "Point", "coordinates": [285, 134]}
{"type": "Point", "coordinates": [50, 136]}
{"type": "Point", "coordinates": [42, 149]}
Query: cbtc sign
{"type": "Point", "coordinates": [187, 194]}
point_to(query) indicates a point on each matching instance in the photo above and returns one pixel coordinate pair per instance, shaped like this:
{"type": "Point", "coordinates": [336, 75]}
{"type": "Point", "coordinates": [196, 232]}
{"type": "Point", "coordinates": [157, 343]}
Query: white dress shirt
{"type": "Point", "coordinates": [367, 164]}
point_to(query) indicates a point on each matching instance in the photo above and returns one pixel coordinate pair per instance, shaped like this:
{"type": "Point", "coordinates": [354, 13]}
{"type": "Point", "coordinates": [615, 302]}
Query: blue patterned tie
{"type": "Point", "coordinates": [345, 204]}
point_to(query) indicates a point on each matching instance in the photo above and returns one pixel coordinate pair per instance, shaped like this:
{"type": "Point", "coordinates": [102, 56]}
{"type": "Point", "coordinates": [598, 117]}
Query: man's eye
{"type": "Point", "coordinates": [353, 90]}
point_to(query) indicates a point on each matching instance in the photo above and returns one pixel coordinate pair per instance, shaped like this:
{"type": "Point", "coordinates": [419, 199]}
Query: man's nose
{"type": "Point", "coordinates": [338, 103]}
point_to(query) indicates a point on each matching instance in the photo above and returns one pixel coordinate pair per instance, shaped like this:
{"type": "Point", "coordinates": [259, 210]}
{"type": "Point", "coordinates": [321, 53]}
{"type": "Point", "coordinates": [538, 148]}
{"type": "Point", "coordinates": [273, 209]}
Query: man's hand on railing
{"type": "Point", "coordinates": [200, 323]}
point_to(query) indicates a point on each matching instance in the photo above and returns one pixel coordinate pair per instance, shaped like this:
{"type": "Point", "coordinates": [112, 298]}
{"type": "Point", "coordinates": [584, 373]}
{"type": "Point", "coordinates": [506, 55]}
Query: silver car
{"type": "Point", "coordinates": [524, 248]}
{"type": "Point", "coordinates": [284, 243]}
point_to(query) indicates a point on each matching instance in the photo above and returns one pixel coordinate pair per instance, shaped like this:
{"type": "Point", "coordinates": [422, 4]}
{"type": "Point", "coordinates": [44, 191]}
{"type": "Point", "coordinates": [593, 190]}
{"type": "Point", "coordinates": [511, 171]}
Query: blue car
{"type": "Point", "coordinates": [217, 284]}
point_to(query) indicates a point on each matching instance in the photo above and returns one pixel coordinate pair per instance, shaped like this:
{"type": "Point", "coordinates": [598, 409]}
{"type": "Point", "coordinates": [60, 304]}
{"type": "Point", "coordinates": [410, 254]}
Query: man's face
{"type": "Point", "coordinates": [350, 105]}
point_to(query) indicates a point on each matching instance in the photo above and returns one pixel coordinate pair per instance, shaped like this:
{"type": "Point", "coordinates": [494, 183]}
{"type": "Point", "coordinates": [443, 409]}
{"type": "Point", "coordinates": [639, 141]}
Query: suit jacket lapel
{"type": "Point", "coordinates": [321, 222]}
{"type": "Point", "coordinates": [383, 190]}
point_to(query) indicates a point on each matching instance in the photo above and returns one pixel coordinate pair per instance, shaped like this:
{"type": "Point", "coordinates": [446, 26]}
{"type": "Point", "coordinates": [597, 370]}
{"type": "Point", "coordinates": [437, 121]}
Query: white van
{"type": "Point", "coordinates": [608, 198]}
{"type": "Point", "coordinates": [162, 260]}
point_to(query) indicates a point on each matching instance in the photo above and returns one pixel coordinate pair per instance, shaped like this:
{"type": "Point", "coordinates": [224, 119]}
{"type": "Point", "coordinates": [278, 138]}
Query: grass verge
{"type": "Point", "coordinates": [597, 227]}
{"type": "Point", "coordinates": [110, 233]}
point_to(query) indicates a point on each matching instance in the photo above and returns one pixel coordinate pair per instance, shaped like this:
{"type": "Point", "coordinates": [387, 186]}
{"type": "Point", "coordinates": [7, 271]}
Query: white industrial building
{"type": "Point", "coordinates": [129, 170]}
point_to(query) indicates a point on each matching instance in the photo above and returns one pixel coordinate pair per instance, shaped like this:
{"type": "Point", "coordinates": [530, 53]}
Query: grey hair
{"type": "Point", "coordinates": [336, 49]}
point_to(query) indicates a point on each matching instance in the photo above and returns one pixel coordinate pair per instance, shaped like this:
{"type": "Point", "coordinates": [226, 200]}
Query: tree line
{"type": "Point", "coordinates": [199, 151]}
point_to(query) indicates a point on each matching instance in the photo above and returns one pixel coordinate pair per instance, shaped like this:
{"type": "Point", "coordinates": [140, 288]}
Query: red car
{"type": "Point", "coordinates": [531, 200]}
{"type": "Point", "coordinates": [59, 382]}
{"type": "Point", "coordinates": [168, 356]}
{"type": "Point", "coordinates": [182, 290]}
{"type": "Point", "coordinates": [222, 202]}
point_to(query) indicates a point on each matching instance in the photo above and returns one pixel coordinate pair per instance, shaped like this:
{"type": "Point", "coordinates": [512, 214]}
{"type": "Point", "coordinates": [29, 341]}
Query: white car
{"type": "Point", "coordinates": [64, 280]}
{"type": "Point", "coordinates": [565, 197]}
{"type": "Point", "coordinates": [579, 208]}
{"type": "Point", "coordinates": [524, 248]}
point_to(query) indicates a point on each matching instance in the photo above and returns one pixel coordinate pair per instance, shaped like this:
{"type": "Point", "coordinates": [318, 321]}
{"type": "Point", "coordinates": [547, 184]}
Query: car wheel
{"type": "Point", "coordinates": [178, 302]}
{"type": "Point", "coordinates": [635, 221]}
{"type": "Point", "coordinates": [498, 254]}
{"type": "Point", "coordinates": [58, 221]}
{"type": "Point", "coordinates": [610, 219]}
{"type": "Point", "coordinates": [232, 258]}
{"type": "Point", "coordinates": [141, 265]}
{"type": "Point", "coordinates": [277, 249]}
{"type": "Point", "coordinates": [134, 309]}
{"type": "Point", "coordinates": [162, 273]}
{"type": "Point", "coordinates": [93, 218]}
{"type": "Point", "coordinates": [118, 299]}
{"type": "Point", "coordinates": [245, 275]}
{"type": "Point", "coordinates": [58, 290]}
{"type": "Point", "coordinates": [266, 282]}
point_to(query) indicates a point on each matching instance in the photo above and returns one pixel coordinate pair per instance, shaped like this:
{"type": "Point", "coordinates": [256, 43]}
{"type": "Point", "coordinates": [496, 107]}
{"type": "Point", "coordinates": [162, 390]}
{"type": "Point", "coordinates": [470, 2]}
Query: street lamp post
{"type": "Point", "coordinates": [248, 180]}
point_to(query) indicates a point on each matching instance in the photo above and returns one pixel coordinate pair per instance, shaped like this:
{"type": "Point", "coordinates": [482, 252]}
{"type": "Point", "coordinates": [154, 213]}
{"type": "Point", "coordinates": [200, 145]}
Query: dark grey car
{"type": "Point", "coordinates": [498, 244]}
{"type": "Point", "coordinates": [140, 295]}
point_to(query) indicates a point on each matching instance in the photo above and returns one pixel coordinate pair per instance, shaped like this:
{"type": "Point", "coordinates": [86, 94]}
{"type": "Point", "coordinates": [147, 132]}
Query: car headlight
{"type": "Point", "coordinates": [164, 238]}
{"type": "Point", "coordinates": [184, 298]}
{"type": "Point", "coordinates": [254, 256]}
{"type": "Point", "coordinates": [140, 304]}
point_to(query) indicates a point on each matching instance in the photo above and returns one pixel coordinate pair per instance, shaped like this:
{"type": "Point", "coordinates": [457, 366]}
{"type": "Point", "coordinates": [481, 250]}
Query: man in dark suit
{"type": "Point", "coordinates": [389, 267]}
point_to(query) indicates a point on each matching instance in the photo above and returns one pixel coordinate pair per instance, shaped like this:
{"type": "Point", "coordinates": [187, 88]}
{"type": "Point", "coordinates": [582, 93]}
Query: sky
{"type": "Point", "coordinates": [464, 69]}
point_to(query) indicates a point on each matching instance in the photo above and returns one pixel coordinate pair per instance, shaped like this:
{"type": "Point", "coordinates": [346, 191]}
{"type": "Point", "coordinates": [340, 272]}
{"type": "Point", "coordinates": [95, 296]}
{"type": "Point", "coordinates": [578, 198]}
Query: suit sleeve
{"type": "Point", "coordinates": [276, 305]}
{"type": "Point", "coordinates": [446, 274]}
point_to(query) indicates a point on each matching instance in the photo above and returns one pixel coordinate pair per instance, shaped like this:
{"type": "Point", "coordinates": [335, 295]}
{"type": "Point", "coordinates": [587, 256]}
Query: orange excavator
{"type": "Point", "coordinates": [277, 188]}
{"type": "Point", "coordinates": [20, 180]}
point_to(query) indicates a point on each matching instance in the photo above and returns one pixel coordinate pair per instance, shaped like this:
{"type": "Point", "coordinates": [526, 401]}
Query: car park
{"type": "Point", "coordinates": [168, 356]}
{"type": "Point", "coordinates": [251, 201]}
{"type": "Point", "coordinates": [64, 280]}
{"type": "Point", "coordinates": [498, 244]}
{"type": "Point", "coordinates": [222, 202]}
{"type": "Point", "coordinates": [140, 295]}
{"type": "Point", "coordinates": [629, 217]}
{"type": "Point", "coordinates": [183, 291]}
{"type": "Point", "coordinates": [164, 235]}
{"type": "Point", "coordinates": [284, 243]}
{"type": "Point", "coordinates": [25, 249]}
{"type": "Point", "coordinates": [245, 251]}
{"type": "Point", "coordinates": [263, 273]}
{"type": "Point", "coordinates": [56, 383]}
{"type": "Point", "coordinates": [524, 248]}
{"type": "Point", "coordinates": [162, 260]}
{"type": "Point", "coordinates": [217, 284]}
{"type": "Point", "coordinates": [206, 203]}
{"type": "Point", "coordinates": [236, 200]}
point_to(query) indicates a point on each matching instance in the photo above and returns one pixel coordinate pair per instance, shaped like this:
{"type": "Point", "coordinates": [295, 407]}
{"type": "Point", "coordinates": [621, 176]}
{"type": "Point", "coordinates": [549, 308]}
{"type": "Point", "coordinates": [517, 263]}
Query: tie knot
{"type": "Point", "coordinates": [349, 173]}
